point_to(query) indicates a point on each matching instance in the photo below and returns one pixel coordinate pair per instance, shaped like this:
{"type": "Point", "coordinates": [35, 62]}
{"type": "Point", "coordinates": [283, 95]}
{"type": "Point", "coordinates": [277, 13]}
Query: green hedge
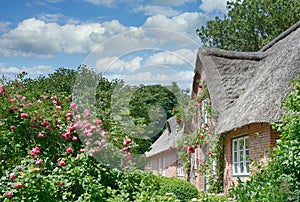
{"type": "Point", "coordinates": [183, 190]}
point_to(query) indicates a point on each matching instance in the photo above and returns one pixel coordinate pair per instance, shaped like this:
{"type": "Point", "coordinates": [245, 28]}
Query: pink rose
{"type": "Point", "coordinates": [39, 162]}
{"type": "Point", "coordinates": [18, 186]}
{"type": "Point", "coordinates": [9, 194]}
{"type": "Point", "coordinates": [87, 113]}
{"type": "Point", "coordinates": [74, 106]}
{"type": "Point", "coordinates": [41, 135]}
{"type": "Point", "coordinates": [127, 141]}
{"type": "Point", "coordinates": [24, 115]}
{"type": "Point", "coordinates": [13, 127]}
{"type": "Point", "coordinates": [58, 107]}
{"type": "Point", "coordinates": [61, 163]}
{"type": "Point", "coordinates": [74, 138]}
{"type": "Point", "coordinates": [69, 150]}
{"type": "Point", "coordinates": [12, 176]}
{"type": "Point", "coordinates": [35, 151]}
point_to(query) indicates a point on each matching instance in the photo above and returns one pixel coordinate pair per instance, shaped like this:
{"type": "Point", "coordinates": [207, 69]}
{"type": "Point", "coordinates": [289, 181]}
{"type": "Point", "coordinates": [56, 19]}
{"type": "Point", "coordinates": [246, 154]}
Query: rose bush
{"type": "Point", "coordinates": [47, 146]}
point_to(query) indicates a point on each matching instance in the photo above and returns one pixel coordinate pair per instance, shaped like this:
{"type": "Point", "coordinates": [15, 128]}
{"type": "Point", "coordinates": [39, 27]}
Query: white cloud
{"type": "Point", "coordinates": [36, 37]}
{"type": "Point", "coordinates": [213, 5]}
{"type": "Point", "coordinates": [51, 17]}
{"type": "Point", "coordinates": [114, 64]}
{"type": "Point", "coordinates": [177, 57]}
{"type": "Point", "coordinates": [33, 71]}
{"type": "Point", "coordinates": [173, 2]}
{"type": "Point", "coordinates": [151, 10]}
{"type": "Point", "coordinates": [185, 23]}
{"type": "Point", "coordinates": [107, 3]}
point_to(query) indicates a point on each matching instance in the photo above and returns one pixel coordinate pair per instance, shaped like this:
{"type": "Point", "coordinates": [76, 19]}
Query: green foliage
{"type": "Point", "coordinates": [250, 24]}
{"type": "Point", "coordinates": [42, 158]}
{"type": "Point", "coordinates": [208, 197]}
{"type": "Point", "coordinates": [280, 181]}
{"type": "Point", "coordinates": [183, 190]}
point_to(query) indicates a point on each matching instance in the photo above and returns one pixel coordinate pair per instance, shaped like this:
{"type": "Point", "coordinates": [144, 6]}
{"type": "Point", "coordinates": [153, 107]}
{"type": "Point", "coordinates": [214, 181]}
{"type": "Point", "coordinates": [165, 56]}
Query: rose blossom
{"type": "Point", "coordinates": [12, 176]}
{"type": "Point", "coordinates": [62, 163]}
{"type": "Point", "coordinates": [9, 194]}
{"type": "Point", "coordinates": [69, 150]}
{"type": "Point", "coordinates": [24, 115]}
{"type": "Point", "coordinates": [39, 162]}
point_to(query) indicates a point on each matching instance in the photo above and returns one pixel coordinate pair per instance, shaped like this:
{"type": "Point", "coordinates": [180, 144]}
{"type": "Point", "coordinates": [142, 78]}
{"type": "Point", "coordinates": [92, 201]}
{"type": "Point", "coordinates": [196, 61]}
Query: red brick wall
{"type": "Point", "coordinates": [261, 140]}
{"type": "Point", "coordinates": [170, 163]}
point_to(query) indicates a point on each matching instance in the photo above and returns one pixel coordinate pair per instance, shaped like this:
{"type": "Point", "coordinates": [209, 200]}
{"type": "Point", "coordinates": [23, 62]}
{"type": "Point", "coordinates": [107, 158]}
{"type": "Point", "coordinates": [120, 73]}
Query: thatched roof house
{"type": "Point", "coordinates": [246, 90]}
{"type": "Point", "coordinates": [248, 87]}
{"type": "Point", "coordinates": [168, 139]}
{"type": "Point", "coordinates": [162, 158]}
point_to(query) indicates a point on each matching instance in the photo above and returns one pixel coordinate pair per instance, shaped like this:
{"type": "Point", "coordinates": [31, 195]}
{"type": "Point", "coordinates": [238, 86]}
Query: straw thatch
{"type": "Point", "coordinates": [249, 87]}
{"type": "Point", "coordinates": [168, 139]}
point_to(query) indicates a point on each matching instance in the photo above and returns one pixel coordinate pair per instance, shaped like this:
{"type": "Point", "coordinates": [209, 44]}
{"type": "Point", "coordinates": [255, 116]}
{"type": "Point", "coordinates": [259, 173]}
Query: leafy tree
{"type": "Point", "coordinates": [250, 24]}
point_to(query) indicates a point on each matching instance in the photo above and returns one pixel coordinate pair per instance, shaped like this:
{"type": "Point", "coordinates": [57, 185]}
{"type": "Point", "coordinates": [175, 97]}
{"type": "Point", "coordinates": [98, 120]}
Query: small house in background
{"type": "Point", "coordinates": [246, 90]}
{"type": "Point", "coordinates": [162, 158]}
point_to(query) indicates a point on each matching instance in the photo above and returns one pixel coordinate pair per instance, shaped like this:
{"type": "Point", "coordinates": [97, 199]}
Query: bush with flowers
{"type": "Point", "coordinates": [49, 146]}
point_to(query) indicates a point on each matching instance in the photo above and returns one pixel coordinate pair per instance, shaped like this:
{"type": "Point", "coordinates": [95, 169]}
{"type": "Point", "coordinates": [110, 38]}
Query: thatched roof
{"type": "Point", "coordinates": [168, 139]}
{"type": "Point", "coordinates": [248, 87]}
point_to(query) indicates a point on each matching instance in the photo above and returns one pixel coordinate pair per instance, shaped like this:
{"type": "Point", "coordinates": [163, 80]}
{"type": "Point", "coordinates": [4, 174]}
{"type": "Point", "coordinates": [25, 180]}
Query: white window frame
{"type": "Point", "coordinates": [240, 167]}
{"type": "Point", "coordinates": [163, 166]}
{"type": "Point", "coordinates": [204, 114]}
{"type": "Point", "coordinates": [196, 158]}
{"type": "Point", "coordinates": [180, 172]}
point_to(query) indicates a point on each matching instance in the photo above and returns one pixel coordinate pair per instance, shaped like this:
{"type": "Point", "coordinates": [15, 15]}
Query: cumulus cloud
{"type": "Point", "coordinates": [34, 36]}
{"type": "Point", "coordinates": [33, 71]}
{"type": "Point", "coordinates": [37, 37]}
{"type": "Point", "coordinates": [185, 23]}
{"type": "Point", "coordinates": [177, 57]}
{"type": "Point", "coordinates": [213, 5]}
{"type": "Point", "coordinates": [151, 10]}
{"type": "Point", "coordinates": [107, 3]}
{"type": "Point", "coordinates": [116, 65]}
{"type": "Point", "coordinates": [173, 2]}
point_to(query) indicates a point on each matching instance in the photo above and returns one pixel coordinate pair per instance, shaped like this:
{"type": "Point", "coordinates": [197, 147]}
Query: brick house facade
{"type": "Point", "coordinates": [245, 90]}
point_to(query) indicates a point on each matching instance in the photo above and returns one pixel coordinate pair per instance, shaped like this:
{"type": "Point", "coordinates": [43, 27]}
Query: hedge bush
{"type": "Point", "coordinates": [183, 190]}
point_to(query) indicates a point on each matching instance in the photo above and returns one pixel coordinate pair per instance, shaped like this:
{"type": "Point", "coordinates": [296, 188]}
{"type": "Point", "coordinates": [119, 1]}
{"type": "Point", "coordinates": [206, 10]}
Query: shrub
{"type": "Point", "coordinates": [183, 190]}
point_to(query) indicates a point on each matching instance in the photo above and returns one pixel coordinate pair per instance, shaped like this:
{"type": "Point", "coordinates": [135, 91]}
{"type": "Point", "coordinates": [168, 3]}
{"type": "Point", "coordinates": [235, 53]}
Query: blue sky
{"type": "Point", "coordinates": [139, 41]}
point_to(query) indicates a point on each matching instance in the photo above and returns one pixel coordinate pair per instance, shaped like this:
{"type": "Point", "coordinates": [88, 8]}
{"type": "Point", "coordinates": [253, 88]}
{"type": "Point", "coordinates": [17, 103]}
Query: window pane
{"type": "Point", "coordinates": [242, 167]}
{"type": "Point", "coordinates": [234, 145]}
{"type": "Point", "coordinates": [241, 144]}
{"type": "Point", "coordinates": [247, 155]}
{"type": "Point", "coordinates": [235, 157]}
{"type": "Point", "coordinates": [241, 156]}
{"type": "Point", "coordinates": [235, 168]}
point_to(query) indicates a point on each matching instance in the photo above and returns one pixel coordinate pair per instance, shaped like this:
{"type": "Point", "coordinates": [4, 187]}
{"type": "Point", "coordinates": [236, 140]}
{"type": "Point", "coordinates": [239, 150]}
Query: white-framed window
{"type": "Point", "coordinates": [240, 156]}
{"type": "Point", "coordinates": [180, 171]}
{"type": "Point", "coordinates": [163, 166]}
{"type": "Point", "coordinates": [158, 165]}
{"type": "Point", "coordinates": [196, 158]}
{"type": "Point", "coordinates": [204, 114]}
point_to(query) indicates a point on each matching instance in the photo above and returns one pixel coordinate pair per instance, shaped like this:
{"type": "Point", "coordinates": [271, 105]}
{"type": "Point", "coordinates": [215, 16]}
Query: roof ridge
{"type": "Point", "coordinates": [281, 36]}
{"type": "Point", "coordinates": [232, 54]}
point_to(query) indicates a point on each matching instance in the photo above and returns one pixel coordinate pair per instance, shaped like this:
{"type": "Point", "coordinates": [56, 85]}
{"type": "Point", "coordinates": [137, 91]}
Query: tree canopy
{"type": "Point", "coordinates": [250, 24]}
